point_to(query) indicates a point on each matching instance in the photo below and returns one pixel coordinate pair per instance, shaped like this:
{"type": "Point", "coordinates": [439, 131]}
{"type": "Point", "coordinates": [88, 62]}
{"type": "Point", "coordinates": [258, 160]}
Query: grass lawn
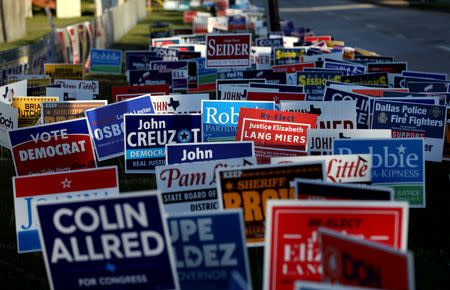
{"type": "Point", "coordinates": [428, 231]}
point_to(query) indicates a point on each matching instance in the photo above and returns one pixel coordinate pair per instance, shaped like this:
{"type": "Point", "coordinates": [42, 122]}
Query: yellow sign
{"type": "Point", "coordinates": [366, 52]}
{"type": "Point", "coordinates": [29, 109]}
{"type": "Point", "coordinates": [35, 82]}
{"type": "Point", "coordinates": [332, 43]}
{"type": "Point", "coordinates": [64, 71]}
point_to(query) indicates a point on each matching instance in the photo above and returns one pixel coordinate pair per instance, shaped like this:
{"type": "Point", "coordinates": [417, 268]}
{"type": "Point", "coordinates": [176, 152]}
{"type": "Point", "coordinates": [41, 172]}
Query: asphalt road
{"type": "Point", "coordinates": [422, 38]}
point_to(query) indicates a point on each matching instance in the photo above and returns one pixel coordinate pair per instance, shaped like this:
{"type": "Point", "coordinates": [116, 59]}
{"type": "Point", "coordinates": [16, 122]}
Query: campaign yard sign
{"type": "Point", "coordinates": [396, 163]}
{"type": "Point", "coordinates": [53, 147]}
{"type": "Point", "coordinates": [107, 61]}
{"type": "Point", "coordinates": [150, 78]}
{"type": "Point", "coordinates": [9, 91]}
{"type": "Point", "coordinates": [275, 133]}
{"type": "Point", "coordinates": [250, 187]}
{"type": "Point", "coordinates": [178, 69]}
{"type": "Point", "coordinates": [142, 90]}
{"type": "Point", "coordinates": [8, 121]}
{"type": "Point", "coordinates": [194, 152]}
{"type": "Point", "coordinates": [413, 120]}
{"type": "Point", "coordinates": [220, 118]}
{"type": "Point", "coordinates": [305, 285]}
{"type": "Point", "coordinates": [147, 134]}
{"type": "Point", "coordinates": [350, 168]}
{"type": "Point", "coordinates": [178, 104]}
{"type": "Point", "coordinates": [106, 125]}
{"type": "Point", "coordinates": [283, 56]}
{"type": "Point", "coordinates": [228, 50]}
{"type": "Point", "coordinates": [317, 189]}
{"type": "Point", "coordinates": [64, 71]}
{"type": "Point", "coordinates": [446, 153]}
{"type": "Point", "coordinates": [350, 68]}
{"type": "Point", "coordinates": [72, 185]}
{"type": "Point", "coordinates": [58, 111]}
{"type": "Point", "coordinates": [292, 250]}
{"type": "Point", "coordinates": [362, 104]}
{"type": "Point", "coordinates": [206, 77]}
{"type": "Point", "coordinates": [315, 81]}
{"type": "Point", "coordinates": [116, 242]}
{"type": "Point", "coordinates": [84, 85]}
{"type": "Point", "coordinates": [206, 255]}
{"type": "Point", "coordinates": [330, 115]}
{"type": "Point", "coordinates": [191, 187]}
{"type": "Point", "coordinates": [29, 109]}
{"type": "Point", "coordinates": [351, 261]}
{"type": "Point", "coordinates": [320, 141]}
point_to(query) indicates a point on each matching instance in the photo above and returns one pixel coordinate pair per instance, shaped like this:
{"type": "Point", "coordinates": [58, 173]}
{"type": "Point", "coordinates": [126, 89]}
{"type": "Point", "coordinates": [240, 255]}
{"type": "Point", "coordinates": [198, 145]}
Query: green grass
{"type": "Point", "coordinates": [38, 26]}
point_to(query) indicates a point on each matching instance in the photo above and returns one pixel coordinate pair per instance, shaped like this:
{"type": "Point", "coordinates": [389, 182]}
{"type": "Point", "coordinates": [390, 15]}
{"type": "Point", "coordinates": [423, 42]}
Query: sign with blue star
{"type": "Point", "coordinates": [119, 242]}
{"type": "Point", "coordinates": [147, 134]}
{"type": "Point", "coordinates": [397, 163]}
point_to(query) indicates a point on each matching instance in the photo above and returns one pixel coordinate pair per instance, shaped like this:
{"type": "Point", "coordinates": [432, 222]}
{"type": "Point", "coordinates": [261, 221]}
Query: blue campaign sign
{"type": "Point", "coordinates": [362, 104]}
{"type": "Point", "coordinates": [105, 61]}
{"type": "Point", "coordinates": [185, 153]}
{"type": "Point", "coordinates": [351, 69]}
{"type": "Point", "coordinates": [110, 243]}
{"type": "Point", "coordinates": [397, 163]}
{"type": "Point", "coordinates": [425, 75]}
{"type": "Point", "coordinates": [220, 118]}
{"type": "Point", "coordinates": [272, 42]}
{"type": "Point", "coordinates": [150, 77]}
{"type": "Point", "coordinates": [267, 74]}
{"type": "Point", "coordinates": [139, 60]}
{"type": "Point", "coordinates": [413, 120]}
{"type": "Point", "coordinates": [106, 124]}
{"type": "Point", "coordinates": [209, 248]}
{"type": "Point", "coordinates": [280, 88]}
{"type": "Point", "coordinates": [179, 70]}
{"type": "Point", "coordinates": [147, 135]}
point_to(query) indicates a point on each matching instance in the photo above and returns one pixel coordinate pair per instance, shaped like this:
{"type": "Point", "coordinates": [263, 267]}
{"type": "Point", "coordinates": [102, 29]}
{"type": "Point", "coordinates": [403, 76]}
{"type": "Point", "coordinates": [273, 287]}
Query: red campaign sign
{"type": "Point", "coordinates": [294, 68]}
{"type": "Point", "coordinates": [317, 38]}
{"type": "Point", "coordinates": [275, 133]}
{"type": "Point", "coordinates": [68, 181]}
{"type": "Point", "coordinates": [188, 16]}
{"type": "Point", "coordinates": [129, 90]}
{"type": "Point", "coordinates": [355, 262]}
{"type": "Point", "coordinates": [60, 146]}
{"type": "Point", "coordinates": [275, 97]}
{"type": "Point", "coordinates": [228, 50]}
{"type": "Point", "coordinates": [292, 250]}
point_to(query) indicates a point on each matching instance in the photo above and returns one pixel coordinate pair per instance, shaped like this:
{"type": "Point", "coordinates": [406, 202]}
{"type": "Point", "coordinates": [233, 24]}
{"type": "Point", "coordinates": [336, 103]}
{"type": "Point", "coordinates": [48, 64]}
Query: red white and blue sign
{"type": "Point", "coordinates": [194, 152]}
{"type": "Point", "coordinates": [206, 251]}
{"type": "Point", "coordinates": [68, 185]}
{"type": "Point", "coordinates": [106, 124]}
{"type": "Point", "coordinates": [110, 243]}
{"type": "Point", "coordinates": [146, 137]}
{"type": "Point", "coordinates": [60, 146]}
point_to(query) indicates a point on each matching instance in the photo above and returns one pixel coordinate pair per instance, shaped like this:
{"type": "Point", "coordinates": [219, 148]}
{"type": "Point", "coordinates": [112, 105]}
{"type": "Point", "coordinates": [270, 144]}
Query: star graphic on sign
{"type": "Point", "coordinates": [66, 183]}
{"type": "Point", "coordinates": [184, 136]}
{"type": "Point", "coordinates": [229, 186]}
{"type": "Point", "coordinates": [401, 149]}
